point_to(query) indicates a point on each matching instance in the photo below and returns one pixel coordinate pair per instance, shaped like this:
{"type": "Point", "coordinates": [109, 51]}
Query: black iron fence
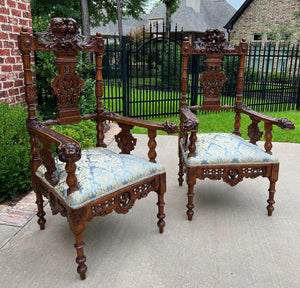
{"type": "Point", "coordinates": [142, 76]}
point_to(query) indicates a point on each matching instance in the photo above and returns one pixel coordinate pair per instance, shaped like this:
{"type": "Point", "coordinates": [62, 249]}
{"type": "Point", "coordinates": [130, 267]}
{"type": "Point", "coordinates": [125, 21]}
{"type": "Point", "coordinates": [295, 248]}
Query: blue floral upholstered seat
{"type": "Point", "coordinates": [100, 171]}
{"type": "Point", "coordinates": [227, 149]}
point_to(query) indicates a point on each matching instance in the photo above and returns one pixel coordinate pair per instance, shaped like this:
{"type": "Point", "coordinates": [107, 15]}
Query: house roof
{"type": "Point", "coordinates": [213, 14]}
{"type": "Point", "coordinates": [237, 14]}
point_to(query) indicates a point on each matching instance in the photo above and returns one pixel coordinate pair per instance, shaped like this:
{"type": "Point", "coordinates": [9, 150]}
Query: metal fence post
{"type": "Point", "coordinates": [298, 96]}
{"type": "Point", "coordinates": [124, 76]}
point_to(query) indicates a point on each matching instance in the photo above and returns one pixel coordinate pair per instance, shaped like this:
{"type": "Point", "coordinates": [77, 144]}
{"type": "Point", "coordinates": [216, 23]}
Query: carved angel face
{"type": "Point", "coordinates": [72, 26]}
{"type": "Point", "coordinates": [58, 27]}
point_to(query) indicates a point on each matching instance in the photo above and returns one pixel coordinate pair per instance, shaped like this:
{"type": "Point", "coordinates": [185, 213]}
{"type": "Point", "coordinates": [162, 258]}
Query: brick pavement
{"type": "Point", "coordinates": [26, 208]}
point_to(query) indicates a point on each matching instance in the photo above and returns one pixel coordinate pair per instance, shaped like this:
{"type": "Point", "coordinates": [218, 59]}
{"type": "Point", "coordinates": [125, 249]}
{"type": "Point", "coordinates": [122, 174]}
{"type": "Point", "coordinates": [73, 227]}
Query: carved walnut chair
{"type": "Point", "coordinates": [222, 155]}
{"type": "Point", "coordinates": [81, 184]}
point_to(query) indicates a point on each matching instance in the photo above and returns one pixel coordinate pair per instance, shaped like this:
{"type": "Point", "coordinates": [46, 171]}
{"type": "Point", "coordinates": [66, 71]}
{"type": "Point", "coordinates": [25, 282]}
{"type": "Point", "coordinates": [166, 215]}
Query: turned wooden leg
{"type": "Point", "coordinates": [77, 222]}
{"type": "Point", "coordinates": [80, 259]}
{"type": "Point", "coordinates": [273, 179]}
{"type": "Point", "coordinates": [161, 204]}
{"type": "Point", "coordinates": [190, 204]}
{"type": "Point", "coordinates": [41, 213]}
{"type": "Point", "coordinates": [271, 200]}
{"type": "Point", "coordinates": [180, 173]}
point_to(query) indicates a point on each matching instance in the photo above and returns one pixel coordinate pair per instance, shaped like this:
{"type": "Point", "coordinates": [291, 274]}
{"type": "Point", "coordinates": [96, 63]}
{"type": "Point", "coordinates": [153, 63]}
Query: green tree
{"type": "Point", "coordinates": [100, 11]}
{"type": "Point", "coordinates": [171, 7]}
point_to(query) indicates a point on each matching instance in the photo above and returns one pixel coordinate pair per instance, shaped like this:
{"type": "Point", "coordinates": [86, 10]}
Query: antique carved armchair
{"type": "Point", "coordinates": [222, 155]}
{"type": "Point", "coordinates": [81, 184]}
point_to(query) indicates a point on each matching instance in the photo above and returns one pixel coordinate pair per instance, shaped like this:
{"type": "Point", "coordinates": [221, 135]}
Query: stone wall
{"type": "Point", "coordinates": [13, 15]}
{"type": "Point", "coordinates": [262, 16]}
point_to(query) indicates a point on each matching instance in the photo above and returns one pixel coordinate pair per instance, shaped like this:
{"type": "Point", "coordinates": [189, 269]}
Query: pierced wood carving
{"type": "Point", "coordinates": [55, 203]}
{"type": "Point", "coordinates": [232, 176]}
{"type": "Point", "coordinates": [126, 142]}
{"type": "Point", "coordinates": [124, 202]}
{"type": "Point", "coordinates": [212, 81]}
{"type": "Point", "coordinates": [254, 132]}
{"type": "Point", "coordinates": [49, 163]}
{"type": "Point", "coordinates": [67, 86]}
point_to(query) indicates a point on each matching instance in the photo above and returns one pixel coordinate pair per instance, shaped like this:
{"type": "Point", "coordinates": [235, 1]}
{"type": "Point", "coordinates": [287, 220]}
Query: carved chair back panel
{"type": "Point", "coordinates": [213, 46]}
{"type": "Point", "coordinates": [64, 39]}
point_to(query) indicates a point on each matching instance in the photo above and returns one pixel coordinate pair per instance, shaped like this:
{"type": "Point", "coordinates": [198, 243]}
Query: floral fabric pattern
{"type": "Point", "coordinates": [99, 172]}
{"type": "Point", "coordinates": [225, 148]}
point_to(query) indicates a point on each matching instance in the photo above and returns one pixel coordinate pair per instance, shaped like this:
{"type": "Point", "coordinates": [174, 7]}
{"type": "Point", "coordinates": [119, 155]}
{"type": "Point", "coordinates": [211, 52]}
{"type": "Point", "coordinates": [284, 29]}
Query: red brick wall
{"type": "Point", "coordinates": [13, 15]}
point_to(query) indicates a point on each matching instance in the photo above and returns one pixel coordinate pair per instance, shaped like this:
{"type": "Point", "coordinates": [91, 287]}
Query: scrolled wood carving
{"type": "Point", "coordinates": [55, 203]}
{"type": "Point", "coordinates": [285, 123]}
{"type": "Point", "coordinates": [214, 41]}
{"type": "Point", "coordinates": [254, 132]}
{"type": "Point", "coordinates": [49, 163]}
{"type": "Point", "coordinates": [232, 176]}
{"type": "Point", "coordinates": [212, 82]}
{"type": "Point", "coordinates": [126, 142]}
{"type": "Point", "coordinates": [124, 202]}
{"type": "Point", "coordinates": [170, 128]}
{"type": "Point", "coordinates": [67, 86]}
{"type": "Point", "coordinates": [63, 33]}
{"type": "Point", "coordinates": [189, 125]}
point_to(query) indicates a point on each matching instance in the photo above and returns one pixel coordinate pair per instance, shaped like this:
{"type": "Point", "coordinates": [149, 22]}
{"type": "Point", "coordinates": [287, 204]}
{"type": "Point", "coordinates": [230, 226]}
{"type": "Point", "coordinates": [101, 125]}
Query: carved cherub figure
{"type": "Point", "coordinates": [58, 28]}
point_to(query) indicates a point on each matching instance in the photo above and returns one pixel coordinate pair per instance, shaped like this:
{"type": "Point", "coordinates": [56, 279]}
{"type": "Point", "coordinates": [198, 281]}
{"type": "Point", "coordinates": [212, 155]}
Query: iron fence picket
{"type": "Point", "coordinates": [142, 78]}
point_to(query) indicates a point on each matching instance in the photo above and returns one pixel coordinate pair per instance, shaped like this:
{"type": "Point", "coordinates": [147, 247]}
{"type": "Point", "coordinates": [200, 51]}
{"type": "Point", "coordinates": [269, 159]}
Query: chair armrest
{"type": "Point", "coordinates": [170, 128]}
{"type": "Point", "coordinates": [126, 142]}
{"type": "Point", "coordinates": [283, 123]}
{"type": "Point", "coordinates": [254, 132]}
{"type": "Point", "coordinates": [189, 121]}
{"type": "Point", "coordinates": [69, 151]}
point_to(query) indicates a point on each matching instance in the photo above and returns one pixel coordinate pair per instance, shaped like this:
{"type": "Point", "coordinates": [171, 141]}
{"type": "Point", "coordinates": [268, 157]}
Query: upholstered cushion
{"type": "Point", "coordinates": [100, 172]}
{"type": "Point", "coordinates": [225, 148]}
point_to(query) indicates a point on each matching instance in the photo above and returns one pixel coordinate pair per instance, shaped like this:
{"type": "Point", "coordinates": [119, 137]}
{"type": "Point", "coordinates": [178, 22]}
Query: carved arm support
{"type": "Point", "coordinates": [188, 123]}
{"type": "Point", "coordinates": [69, 151]}
{"type": "Point", "coordinates": [127, 142]}
{"type": "Point", "coordinates": [254, 132]}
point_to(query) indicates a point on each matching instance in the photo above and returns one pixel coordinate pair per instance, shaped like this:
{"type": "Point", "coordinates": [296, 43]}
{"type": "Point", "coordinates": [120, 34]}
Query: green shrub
{"type": "Point", "coordinates": [83, 132]}
{"type": "Point", "coordinates": [14, 152]}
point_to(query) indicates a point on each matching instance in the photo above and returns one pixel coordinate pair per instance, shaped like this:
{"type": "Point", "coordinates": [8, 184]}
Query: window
{"type": "Point", "coordinates": [257, 37]}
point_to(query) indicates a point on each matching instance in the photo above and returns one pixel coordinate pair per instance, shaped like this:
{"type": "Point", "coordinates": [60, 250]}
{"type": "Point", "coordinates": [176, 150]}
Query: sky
{"type": "Point", "coordinates": [235, 3]}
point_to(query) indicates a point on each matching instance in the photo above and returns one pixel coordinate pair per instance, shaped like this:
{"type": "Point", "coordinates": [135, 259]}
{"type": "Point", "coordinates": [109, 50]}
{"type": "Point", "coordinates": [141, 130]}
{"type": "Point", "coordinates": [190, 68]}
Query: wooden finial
{"type": "Point", "coordinates": [98, 34]}
{"type": "Point", "coordinates": [24, 29]}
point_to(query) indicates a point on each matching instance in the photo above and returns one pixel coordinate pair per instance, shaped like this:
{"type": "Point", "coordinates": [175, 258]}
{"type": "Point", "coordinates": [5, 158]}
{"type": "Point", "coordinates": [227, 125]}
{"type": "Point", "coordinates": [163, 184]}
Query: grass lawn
{"type": "Point", "coordinates": [224, 122]}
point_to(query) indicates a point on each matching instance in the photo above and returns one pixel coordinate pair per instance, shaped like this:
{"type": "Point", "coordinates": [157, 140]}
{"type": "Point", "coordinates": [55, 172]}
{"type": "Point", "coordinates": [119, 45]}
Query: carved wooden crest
{"type": "Point", "coordinates": [213, 42]}
{"type": "Point", "coordinates": [63, 33]}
